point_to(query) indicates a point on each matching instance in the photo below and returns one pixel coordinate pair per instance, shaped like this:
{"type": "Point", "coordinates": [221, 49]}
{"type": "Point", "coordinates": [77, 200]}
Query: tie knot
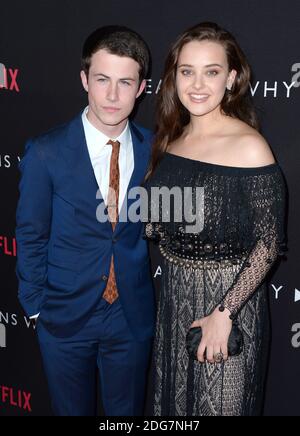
{"type": "Point", "coordinates": [115, 144]}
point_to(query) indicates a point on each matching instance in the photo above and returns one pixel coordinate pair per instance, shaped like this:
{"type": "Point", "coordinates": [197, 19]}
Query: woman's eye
{"type": "Point", "coordinates": [212, 72]}
{"type": "Point", "coordinates": [186, 72]}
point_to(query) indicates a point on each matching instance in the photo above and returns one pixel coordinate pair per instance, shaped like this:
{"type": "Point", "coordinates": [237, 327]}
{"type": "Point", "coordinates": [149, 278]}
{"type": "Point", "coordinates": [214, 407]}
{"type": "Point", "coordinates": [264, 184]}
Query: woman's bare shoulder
{"type": "Point", "coordinates": [250, 147]}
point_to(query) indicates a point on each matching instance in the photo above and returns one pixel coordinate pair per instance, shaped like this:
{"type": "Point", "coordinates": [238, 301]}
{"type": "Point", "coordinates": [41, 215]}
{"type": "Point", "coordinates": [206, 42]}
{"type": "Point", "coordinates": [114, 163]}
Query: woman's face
{"type": "Point", "coordinates": [202, 76]}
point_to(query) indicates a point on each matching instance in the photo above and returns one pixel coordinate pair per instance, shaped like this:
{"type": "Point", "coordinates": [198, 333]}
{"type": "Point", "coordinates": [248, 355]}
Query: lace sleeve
{"type": "Point", "coordinates": [265, 196]}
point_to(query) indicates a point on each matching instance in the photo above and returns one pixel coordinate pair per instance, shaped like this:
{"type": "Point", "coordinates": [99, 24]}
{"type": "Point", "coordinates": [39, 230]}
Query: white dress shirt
{"type": "Point", "coordinates": [100, 154]}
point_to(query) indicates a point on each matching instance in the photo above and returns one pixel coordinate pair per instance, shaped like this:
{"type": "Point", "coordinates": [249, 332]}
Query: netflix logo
{"type": "Point", "coordinates": [15, 398]}
{"type": "Point", "coordinates": [9, 78]}
{"type": "Point", "coordinates": [8, 246]}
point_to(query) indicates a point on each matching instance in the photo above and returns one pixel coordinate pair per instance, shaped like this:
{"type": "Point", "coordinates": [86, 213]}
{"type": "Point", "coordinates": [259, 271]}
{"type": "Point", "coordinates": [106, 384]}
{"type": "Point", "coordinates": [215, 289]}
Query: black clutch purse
{"type": "Point", "coordinates": [235, 341]}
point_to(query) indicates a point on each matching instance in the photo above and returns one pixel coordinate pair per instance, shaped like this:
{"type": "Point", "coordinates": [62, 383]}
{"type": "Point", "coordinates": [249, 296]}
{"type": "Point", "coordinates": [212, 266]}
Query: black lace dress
{"type": "Point", "coordinates": [225, 262]}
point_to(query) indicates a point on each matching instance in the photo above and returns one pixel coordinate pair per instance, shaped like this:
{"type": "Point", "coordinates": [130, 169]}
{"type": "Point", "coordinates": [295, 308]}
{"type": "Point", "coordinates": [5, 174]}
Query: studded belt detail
{"type": "Point", "coordinates": [189, 249]}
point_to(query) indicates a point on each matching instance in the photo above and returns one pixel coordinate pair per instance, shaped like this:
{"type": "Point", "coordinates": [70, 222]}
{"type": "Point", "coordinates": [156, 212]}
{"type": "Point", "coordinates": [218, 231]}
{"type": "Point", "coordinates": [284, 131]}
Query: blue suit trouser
{"type": "Point", "coordinates": [105, 344]}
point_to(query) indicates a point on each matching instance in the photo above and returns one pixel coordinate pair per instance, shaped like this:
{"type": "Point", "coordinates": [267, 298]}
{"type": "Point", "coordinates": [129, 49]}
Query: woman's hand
{"type": "Point", "coordinates": [216, 329]}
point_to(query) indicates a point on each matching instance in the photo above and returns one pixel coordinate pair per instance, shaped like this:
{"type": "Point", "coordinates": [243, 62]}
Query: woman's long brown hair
{"type": "Point", "coordinates": [172, 116]}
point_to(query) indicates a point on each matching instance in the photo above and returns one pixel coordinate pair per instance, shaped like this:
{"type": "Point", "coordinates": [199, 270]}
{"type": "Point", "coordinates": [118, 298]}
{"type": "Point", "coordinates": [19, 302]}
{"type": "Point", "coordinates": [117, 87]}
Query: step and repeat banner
{"type": "Point", "coordinates": [40, 48]}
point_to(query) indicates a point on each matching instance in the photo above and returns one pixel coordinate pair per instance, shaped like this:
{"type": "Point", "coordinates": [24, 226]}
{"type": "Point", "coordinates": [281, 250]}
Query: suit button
{"type": "Point", "coordinates": [104, 278]}
{"type": "Point", "coordinates": [114, 240]}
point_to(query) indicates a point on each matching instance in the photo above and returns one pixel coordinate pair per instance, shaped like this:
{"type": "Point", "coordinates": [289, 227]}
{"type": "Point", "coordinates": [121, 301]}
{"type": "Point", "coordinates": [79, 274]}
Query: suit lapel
{"type": "Point", "coordinates": [83, 185]}
{"type": "Point", "coordinates": [141, 156]}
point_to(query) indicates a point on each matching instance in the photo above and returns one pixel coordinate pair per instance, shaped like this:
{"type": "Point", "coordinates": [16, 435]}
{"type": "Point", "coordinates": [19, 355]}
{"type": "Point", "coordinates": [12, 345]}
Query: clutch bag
{"type": "Point", "coordinates": [235, 341]}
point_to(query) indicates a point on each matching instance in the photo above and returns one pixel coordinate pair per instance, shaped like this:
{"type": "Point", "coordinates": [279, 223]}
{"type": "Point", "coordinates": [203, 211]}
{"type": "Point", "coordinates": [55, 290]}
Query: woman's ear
{"type": "Point", "coordinates": [231, 79]}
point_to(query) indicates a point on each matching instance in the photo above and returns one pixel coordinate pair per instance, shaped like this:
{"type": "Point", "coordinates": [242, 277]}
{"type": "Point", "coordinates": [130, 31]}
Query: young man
{"type": "Point", "coordinates": [88, 282]}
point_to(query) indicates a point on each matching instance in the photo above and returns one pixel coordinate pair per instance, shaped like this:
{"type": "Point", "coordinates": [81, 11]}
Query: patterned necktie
{"type": "Point", "coordinates": [111, 291]}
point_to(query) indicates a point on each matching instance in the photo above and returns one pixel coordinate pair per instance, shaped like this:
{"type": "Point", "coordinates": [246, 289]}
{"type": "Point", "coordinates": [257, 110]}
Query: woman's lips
{"type": "Point", "coordinates": [199, 98]}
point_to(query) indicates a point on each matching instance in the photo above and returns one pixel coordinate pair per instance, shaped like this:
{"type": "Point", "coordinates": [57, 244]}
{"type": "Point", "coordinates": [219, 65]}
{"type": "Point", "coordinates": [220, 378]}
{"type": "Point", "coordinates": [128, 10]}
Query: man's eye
{"type": "Point", "coordinates": [124, 82]}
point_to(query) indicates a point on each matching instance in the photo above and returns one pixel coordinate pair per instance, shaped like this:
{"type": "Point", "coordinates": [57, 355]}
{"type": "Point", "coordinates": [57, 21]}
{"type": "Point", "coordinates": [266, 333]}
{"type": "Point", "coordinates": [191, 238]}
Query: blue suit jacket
{"type": "Point", "coordinates": [64, 252]}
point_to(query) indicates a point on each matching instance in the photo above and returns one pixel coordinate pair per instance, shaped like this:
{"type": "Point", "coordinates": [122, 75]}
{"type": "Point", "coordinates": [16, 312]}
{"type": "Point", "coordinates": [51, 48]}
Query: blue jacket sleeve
{"type": "Point", "coordinates": [33, 219]}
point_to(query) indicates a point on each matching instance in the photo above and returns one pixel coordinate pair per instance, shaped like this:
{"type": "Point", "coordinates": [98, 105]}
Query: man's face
{"type": "Point", "coordinates": [113, 85]}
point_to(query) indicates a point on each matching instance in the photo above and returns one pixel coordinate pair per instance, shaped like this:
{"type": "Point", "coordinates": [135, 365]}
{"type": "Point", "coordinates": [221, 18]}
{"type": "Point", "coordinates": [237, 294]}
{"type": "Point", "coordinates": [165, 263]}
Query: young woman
{"type": "Point", "coordinates": [207, 136]}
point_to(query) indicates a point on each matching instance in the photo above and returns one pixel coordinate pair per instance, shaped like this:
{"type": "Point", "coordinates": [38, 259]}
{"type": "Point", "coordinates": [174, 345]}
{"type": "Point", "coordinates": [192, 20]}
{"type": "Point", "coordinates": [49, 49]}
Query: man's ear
{"type": "Point", "coordinates": [84, 80]}
{"type": "Point", "coordinates": [141, 88]}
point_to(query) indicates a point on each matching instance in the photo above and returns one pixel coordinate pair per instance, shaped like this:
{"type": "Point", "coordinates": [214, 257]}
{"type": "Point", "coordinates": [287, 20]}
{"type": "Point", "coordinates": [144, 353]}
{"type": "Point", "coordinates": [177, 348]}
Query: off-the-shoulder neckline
{"type": "Point", "coordinates": [211, 165]}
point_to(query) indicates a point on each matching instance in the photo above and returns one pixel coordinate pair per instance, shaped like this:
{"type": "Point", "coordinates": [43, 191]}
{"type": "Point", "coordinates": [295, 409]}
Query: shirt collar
{"type": "Point", "coordinates": [99, 139]}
